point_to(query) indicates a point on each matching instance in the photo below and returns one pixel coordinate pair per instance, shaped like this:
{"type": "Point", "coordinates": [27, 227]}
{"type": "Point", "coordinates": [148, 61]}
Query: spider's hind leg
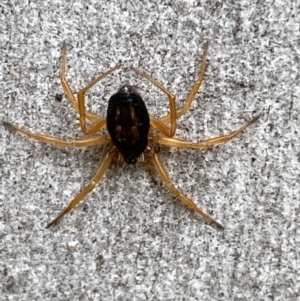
{"type": "Point", "coordinates": [157, 162]}
{"type": "Point", "coordinates": [79, 197]}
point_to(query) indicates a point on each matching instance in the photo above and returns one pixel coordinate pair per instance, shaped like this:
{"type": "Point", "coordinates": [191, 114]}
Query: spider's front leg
{"type": "Point", "coordinates": [157, 123]}
{"type": "Point", "coordinates": [79, 106]}
{"type": "Point", "coordinates": [188, 102]}
{"type": "Point", "coordinates": [67, 89]}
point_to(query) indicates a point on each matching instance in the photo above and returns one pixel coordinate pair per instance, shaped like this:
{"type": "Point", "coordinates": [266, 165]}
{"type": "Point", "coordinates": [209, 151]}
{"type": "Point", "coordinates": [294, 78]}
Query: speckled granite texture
{"type": "Point", "coordinates": [130, 239]}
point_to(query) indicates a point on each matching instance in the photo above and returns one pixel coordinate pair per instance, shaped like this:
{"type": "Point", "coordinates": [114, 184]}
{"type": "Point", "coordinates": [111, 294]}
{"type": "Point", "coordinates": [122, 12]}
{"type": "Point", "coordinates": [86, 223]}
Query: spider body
{"type": "Point", "coordinates": [134, 136]}
{"type": "Point", "coordinates": [128, 123]}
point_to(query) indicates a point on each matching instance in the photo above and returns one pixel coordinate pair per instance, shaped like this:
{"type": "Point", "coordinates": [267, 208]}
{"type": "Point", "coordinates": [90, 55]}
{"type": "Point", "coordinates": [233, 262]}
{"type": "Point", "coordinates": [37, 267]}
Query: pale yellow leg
{"type": "Point", "coordinates": [168, 118]}
{"type": "Point", "coordinates": [79, 106]}
{"type": "Point", "coordinates": [202, 144]}
{"type": "Point", "coordinates": [82, 142]}
{"type": "Point", "coordinates": [91, 116]}
{"type": "Point", "coordinates": [99, 174]}
{"type": "Point", "coordinates": [157, 162]}
{"type": "Point", "coordinates": [160, 126]}
{"type": "Point", "coordinates": [170, 132]}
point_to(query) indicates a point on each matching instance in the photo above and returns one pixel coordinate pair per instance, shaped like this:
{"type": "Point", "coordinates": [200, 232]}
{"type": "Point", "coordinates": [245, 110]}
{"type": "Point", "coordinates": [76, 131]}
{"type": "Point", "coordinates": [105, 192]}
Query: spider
{"type": "Point", "coordinates": [133, 135]}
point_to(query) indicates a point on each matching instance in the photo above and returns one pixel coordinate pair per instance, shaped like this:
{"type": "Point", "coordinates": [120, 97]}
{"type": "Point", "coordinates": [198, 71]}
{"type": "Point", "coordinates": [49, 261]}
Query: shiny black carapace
{"type": "Point", "coordinates": [128, 123]}
{"type": "Point", "coordinates": [133, 135]}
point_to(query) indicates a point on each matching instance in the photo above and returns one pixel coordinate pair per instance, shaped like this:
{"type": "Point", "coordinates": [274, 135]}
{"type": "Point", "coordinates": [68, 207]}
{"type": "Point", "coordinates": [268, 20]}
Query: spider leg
{"type": "Point", "coordinates": [82, 142]}
{"type": "Point", "coordinates": [157, 162]}
{"type": "Point", "coordinates": [96, 178]}
{"type": "Point", "coordinates": [202, 144]}
{"type": "Point", "coordinates": [168, 118]}
{"type": "Point", "coordinates": [157, 122]}
{"type": "Point", "coordinates": [81, 104]}
{"type": "Point", "coordinates": [67, 89]}
{"type": "Point", "coordinates": [160, 126]}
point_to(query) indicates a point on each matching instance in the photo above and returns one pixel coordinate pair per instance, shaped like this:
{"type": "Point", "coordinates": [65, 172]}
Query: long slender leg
{"type": "Point", "coordinates": [157, 162]}
{"type": "Point", "coordinates": [81, 104]}
{"type": "Point", "coordinates": [167, 131]}
{"type": "Point", "coordinates": [168, 118]}
{"type": "Point", "coordinates": [82, 142]}
{"type": "Point", "coordinates": [91, 116]}
{"type": "Point", "coordinates": [96, 178]}
{"type": "Point", "coordinates": [202, 144]}
{"type": "Point", "coordinates": [160, 126]}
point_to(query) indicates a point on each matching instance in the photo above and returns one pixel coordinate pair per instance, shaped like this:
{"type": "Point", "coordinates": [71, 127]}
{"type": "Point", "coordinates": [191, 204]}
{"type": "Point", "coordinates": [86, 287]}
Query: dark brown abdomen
{"type": "Point", "coordinates": [128, 123]}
